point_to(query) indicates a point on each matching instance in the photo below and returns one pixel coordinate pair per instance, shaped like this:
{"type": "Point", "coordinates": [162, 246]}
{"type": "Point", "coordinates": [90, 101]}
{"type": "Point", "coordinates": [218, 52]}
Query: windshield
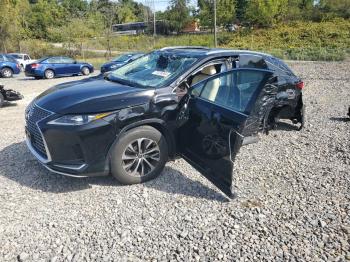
{"type": "Point", "coordinates": [10, 58]}
{"type": "Point", "coordinates": [16, 56]}
{"type": "Point", "coordinates": [122, 58]}
{"type": "Point", "coordinates": [154, 70]}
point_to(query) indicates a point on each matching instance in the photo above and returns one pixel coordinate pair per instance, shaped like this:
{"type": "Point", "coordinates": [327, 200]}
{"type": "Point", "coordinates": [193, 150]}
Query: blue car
{"type": "Point", "coordinates": [8, 66]}
{"type": "Point", "coordinates": [50, 67]}
{"type": "Point", "coordinates": [119, 61]}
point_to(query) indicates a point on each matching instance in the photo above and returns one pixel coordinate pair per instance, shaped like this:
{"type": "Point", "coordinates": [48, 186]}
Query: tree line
{"type": "Point", "coordinates": [72, 21]}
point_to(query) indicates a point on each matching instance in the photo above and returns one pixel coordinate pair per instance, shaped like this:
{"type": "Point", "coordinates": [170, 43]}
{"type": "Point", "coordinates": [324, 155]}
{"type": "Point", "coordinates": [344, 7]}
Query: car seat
{"type": "Point", "coordinates": [211, 88]}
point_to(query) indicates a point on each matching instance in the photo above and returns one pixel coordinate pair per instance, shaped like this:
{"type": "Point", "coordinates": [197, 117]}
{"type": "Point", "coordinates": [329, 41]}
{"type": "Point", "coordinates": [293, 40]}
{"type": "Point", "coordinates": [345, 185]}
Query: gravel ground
{"type": "Point", "coordinates": [293, 191]}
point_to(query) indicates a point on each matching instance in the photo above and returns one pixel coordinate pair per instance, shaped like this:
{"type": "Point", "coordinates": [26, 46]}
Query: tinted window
{"type": "Point", "coordinates": [52, 60]}
{"type": "Point", "coordinates": [10, 59]}
{"type": "Point", "coordinates": [122, 58]}
{"type": "Point", "coordinates": [252, 61]}
{"type": "Point", "coordinates": [279, 66]}
{"type": "Point", "coordinates": [67, 60]}
{"type": "Point", "coordinates": [16, 56]}
{"type": "Point", "coordinates": [233, 90]}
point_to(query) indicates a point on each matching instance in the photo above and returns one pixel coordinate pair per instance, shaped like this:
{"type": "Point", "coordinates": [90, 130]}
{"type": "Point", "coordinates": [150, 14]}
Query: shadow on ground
{"type": "Point", "coordinates": [18, 165]}
{"type": "Point", "coordinates": [284, 126]}
{"type": "Point", "coordinates": [9, 104]}
{"type": "Point", "coordinates": [340, 119]}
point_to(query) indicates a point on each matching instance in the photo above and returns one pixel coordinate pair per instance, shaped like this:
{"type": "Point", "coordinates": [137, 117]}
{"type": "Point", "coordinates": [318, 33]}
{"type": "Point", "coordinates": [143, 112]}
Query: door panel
{"type": "Point", "coordinates": [216, 122]}
{"type": "Point", "coordinates": [208, 139]}
{"type": "Point", "coordinates": [69, 68]}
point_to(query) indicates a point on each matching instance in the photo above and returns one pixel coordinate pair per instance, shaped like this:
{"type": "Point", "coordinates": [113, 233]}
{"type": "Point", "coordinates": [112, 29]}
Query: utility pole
{"type": "Point", "coordinates": [215, 32]}
{"type": "Point", "coordinates": [154, 20]}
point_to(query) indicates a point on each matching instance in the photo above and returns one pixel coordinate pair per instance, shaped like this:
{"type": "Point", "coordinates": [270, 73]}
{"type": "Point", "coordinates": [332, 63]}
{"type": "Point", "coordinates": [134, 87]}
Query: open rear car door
{"type": "Point", "coordinates": [218, 116]}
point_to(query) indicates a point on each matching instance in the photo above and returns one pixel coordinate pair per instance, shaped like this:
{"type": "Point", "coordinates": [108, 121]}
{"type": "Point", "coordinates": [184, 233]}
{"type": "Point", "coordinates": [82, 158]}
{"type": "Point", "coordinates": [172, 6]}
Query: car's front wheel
{"type": "Point", "coordinates": [49, 74]}
{"type": "Point", "coordinates": [6, 72]}
{"type": "Point", "coordinates": [139, 155]}
{"type": "Point", "coordinates": [85, 71]}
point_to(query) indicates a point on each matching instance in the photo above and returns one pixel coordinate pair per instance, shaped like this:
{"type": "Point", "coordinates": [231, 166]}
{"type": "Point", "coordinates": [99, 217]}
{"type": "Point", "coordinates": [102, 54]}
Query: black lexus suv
{"type": "Point", "coordinates": [197, 103]}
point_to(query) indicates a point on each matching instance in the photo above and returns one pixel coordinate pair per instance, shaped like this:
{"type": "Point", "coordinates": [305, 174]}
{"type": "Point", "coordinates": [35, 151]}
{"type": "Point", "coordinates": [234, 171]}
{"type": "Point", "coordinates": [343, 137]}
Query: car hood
{"type": "Point", "coordinates": [92, 96]}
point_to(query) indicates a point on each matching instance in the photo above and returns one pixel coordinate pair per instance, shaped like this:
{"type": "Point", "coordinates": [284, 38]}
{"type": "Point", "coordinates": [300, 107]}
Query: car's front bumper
{"type": "Point", "coordinates": [78, 151]}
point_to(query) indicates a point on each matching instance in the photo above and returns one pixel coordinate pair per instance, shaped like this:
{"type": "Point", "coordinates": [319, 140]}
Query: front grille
{"type": "Point", "coordinates": [35, 114]}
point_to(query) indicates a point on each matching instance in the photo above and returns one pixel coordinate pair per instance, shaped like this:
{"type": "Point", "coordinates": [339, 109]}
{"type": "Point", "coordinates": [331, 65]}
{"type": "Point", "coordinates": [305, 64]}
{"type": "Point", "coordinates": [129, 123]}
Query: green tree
{"type": "Point", "coordinates": [330, 9]}
{"type": "Point", "coordinates": [178, 14]}
{"type": "Point", "coordinates": [45, 14]}
{"type": "Point", "coordinates": [226, 12]}
{"type": "Point", "coordinates": [266, 13]}
{"type": "Point", "coordinates": [13, 23]}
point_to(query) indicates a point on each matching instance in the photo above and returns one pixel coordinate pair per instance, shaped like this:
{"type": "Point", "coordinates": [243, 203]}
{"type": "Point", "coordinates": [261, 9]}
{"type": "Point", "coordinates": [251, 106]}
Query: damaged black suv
{"type": "Point", "coordinates": [198, 103]}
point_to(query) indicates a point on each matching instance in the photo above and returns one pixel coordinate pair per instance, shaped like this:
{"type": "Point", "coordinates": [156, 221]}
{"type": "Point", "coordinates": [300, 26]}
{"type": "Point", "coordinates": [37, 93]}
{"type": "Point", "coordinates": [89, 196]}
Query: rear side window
{"type": "Point", "coordinates": [278, 65]}
{"type": "Point", "coordinates": [53, 60]}
{"type": "Point", "coordinates": [233, 90]}
{"type": "Point", "coordinates": [252, 61]}
{"type": "Point", "coordinates": [67, 60]}
{"type": "Point", "coordinates": [9, 58]}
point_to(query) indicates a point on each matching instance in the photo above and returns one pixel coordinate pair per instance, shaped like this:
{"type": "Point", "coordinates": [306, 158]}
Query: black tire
{"type": "Point", "coordinates": [49, 74]}
{"type": "Point", "coordinates": [85, 71]}
{"type": "Point", "coordinates": [2, 100]}
{"type": "Point", "coordinates": [6, 72]}
{"type": "Point", "coordinates": [121, 150]}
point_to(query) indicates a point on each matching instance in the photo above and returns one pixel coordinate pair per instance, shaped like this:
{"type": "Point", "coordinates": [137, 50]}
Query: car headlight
{"type": "Point", "coordinates": [77, 120]}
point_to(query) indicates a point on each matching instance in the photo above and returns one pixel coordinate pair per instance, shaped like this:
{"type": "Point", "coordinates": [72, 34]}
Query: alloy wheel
{"type": "Point", "coordinates": [49, 74]}
{"type": "Point", "coordinates": [86, 71]}
{"type": "Point", "coordinates": [7, 73]}
{"type": "Point", "coordinates": [141, 157]}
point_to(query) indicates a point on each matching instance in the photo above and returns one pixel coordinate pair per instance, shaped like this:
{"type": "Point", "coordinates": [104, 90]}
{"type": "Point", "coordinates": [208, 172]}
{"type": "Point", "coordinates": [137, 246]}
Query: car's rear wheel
{"type": "Point", "coordinates": [85, 71]}
{"type": "Point", "coordinates": [139, 155]}
{"type": "Point", "coordinates": [2, 100]}
{"type": "Point", "coordinates": [49, 74]}
{"type": "Point", "coordinates": [7, 72]}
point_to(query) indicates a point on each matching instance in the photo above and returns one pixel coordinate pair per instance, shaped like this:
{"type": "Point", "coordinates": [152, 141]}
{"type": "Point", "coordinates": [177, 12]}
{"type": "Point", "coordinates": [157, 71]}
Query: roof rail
{"type": "Point", "coordinates": [185, 47]}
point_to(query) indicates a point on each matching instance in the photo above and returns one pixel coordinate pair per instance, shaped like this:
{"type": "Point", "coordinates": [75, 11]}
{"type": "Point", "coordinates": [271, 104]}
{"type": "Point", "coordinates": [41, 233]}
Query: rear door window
{"type": "Point", "coordinates": [233, 90]}
{"type": "Point", "coordinates": [252, 61]}
{"type": "Point", "coordinates": [67, 60]}
{"type": "Point", "coordinates": [53, 60]}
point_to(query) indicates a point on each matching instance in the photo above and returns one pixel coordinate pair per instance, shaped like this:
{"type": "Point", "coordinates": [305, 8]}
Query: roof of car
{"type": "Point", "coordinates": [205, 51]}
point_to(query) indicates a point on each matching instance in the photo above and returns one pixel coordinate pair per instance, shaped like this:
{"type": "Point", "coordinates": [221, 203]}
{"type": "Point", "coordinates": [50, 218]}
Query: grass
{"type": "Point", "coordinates": [96, 62]}
{"type": "Point", "coordinates": [328, 40]}
{"type": "Point", "coordinates": [324, 41]}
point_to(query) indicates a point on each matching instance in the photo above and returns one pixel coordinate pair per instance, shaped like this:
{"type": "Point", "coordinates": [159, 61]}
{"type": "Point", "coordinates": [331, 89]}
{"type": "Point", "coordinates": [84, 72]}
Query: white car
{"type": "Point", "coordinates": [22, 59]}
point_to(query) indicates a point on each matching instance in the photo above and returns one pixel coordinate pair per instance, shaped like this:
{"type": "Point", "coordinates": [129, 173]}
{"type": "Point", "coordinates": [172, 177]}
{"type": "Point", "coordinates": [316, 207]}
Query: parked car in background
{"type": "Point", "coordinates": [22, 59]}
{"type": "Point", "coordinates": [50, 67]}
{"type": "Point", "coordinates": [8, 66]}
{"type": "Point", "coordinates": [197, 103]}
{"type": "Point", "coordinates": [119, 61]}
